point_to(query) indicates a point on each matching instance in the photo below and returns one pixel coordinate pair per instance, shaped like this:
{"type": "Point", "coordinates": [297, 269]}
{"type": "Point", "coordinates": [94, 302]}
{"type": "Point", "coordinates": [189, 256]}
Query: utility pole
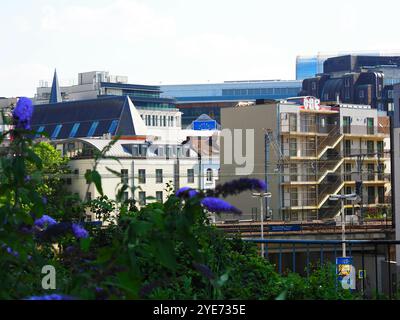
{"type": "Point", "coordinates": [262, 196]}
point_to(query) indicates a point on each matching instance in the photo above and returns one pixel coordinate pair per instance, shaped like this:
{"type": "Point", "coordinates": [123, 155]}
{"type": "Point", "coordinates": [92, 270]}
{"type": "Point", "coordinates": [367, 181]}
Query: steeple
{"type": "Point", "coordinates": [55, 95]}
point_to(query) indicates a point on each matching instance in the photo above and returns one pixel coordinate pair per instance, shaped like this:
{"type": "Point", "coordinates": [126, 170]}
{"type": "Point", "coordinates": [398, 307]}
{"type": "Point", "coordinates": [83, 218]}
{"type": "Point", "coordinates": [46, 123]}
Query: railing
{"type": "Point", "coordinates": [373, 260]}
{"type": "Point", "coordinates": [366, 130]}
{"type": "Point", "coordinates": [330, 187]}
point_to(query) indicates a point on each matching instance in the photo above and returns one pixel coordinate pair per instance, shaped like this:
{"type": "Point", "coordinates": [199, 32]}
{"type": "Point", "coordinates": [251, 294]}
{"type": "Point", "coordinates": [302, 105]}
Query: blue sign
{"type": "Point", "coordinates": [346, 272]}
{"type": "Point", "coordinates": [205, 125]}
{"type": "Point", "coordinates": [288, 228]}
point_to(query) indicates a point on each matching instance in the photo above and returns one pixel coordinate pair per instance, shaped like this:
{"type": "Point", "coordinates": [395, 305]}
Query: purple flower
{"type": "Point", "coordinates": [44, 200]}
{"type": "Point", "coordinates": [45, 220]}
{"type": "Point", "coordinates": [22, 113]}
{"type": "Point", "coordinates": [51, 297]}
{"type": "Point", "coordinates": [218, 206]}
{"type": "Point", "coordinates": [237, 186]}
{"type": "Point", "coordinates": [186, 192]}
{"type": "Point", "coordinates": [10, 250]}
{"type": "Point", "coordinates": [27, 178]}
{"type": "Point", "coordinates": [79, 231]}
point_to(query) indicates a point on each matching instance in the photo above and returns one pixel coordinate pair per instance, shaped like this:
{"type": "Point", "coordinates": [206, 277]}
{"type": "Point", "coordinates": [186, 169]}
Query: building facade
{"type": "Point", "coordinates": [194, 100]}
{"type": "Point", "coordinates": [356, 79]}
{"type": "Point", "coordinates": [306, 152]}
{"type": "Point", "coordinates": [145, 168]}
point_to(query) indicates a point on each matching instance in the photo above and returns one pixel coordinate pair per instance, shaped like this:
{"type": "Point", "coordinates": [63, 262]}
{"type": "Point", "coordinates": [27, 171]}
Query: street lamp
{"type": "Point", "coordinates": [262, 195]}
{"type": "Point", "coordinates": [342, 198]}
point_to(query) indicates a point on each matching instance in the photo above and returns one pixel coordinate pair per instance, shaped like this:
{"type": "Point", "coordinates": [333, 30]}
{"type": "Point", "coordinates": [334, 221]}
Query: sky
{"type": "Point", "coordinates": [182, 41]}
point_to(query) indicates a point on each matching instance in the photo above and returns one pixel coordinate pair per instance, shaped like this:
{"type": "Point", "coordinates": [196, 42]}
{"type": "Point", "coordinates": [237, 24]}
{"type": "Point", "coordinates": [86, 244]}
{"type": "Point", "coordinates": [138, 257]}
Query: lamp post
{"type": "Point", "coordinates": [261, 196]}
{"type": "Point", "coordinates": [342, 198]}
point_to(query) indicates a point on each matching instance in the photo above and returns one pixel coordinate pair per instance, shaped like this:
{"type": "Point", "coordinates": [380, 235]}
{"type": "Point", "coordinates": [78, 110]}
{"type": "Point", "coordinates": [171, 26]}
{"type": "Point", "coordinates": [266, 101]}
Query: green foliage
{"type": "Point", "coordinates": [162, 251]}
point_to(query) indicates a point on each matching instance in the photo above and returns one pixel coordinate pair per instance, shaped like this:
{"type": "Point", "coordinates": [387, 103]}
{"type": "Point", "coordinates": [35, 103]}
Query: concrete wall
{"type": "Point", "coordinates": [257, 118]}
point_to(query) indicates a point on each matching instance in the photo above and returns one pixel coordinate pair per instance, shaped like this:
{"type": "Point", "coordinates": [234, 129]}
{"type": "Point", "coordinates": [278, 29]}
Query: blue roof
{"type": "Point", "coordinates": [86, 112]}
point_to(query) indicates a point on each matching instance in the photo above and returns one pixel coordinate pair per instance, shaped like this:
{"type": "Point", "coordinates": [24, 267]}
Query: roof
{"type": "Point", "coordinates": [116, 114]}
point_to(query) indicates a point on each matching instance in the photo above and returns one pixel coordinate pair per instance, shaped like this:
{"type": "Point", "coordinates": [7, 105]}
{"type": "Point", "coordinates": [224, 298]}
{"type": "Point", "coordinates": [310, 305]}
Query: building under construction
{"type": "Point", "coordinates": [307, 152]}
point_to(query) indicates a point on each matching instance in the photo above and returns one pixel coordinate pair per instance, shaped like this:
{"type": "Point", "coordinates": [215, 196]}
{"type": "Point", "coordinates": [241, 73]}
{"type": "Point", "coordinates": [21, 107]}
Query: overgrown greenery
{"type": "Point", "coordinates": [162, 251]}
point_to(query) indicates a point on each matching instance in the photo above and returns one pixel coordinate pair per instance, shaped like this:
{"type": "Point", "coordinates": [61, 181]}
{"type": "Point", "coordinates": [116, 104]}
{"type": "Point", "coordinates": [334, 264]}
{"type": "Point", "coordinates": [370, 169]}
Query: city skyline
{"type": "Point", "coordinates": [179, 42]}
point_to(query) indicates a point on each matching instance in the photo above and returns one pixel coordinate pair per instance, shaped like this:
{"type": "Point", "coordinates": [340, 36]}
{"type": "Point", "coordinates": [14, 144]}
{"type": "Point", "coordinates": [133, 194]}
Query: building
{"type": "Point", "coordinates": [306, 152]}
{"type": "Point", "coordinates": [309, 66]}
{"type": "Point", "coordinates": [5, 109]}
{"type": "Point", "coordinates": [150, 147]}
{"type": "Point", "coordinates": [194, 100]}
{"type": "Point", "coordinates": [96, 84]}
{"type": "Point", "coordinates": [356, 79]}
{"type": "Point", "coordinates": [145, 167]}
{"type": "Point", "coordinates": [396, 165]}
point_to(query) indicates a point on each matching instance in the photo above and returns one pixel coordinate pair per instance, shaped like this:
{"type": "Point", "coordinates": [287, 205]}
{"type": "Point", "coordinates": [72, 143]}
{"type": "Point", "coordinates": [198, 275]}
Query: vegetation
{"type": "Point", "coordinates": [162, 251]}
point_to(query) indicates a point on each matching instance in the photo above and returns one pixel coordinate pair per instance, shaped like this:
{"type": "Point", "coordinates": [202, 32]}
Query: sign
{"type": "Point", "coordinates": [285, 228]}
{"type": "Point", "coordinates": [346, 272]}
{"type": "Point", "coordinates": [362, 274]}
{"type": "Point", "coordinates": [205, 125]}
{"type": "Point", "coordinates": [311, 103]}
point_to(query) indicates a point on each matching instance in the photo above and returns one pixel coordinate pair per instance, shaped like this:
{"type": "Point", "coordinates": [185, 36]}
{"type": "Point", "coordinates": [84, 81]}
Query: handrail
{"type": "Point", "coordinates": [298, 241]}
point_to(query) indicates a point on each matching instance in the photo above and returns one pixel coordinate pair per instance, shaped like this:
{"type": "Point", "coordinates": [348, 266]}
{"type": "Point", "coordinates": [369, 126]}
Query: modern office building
{"type": "Point", "coordinates": [306, 152]}
{"type": "Point", "coordinates": [194, 100]}
{"type": "Point", "coordinates": [356, 80]}
{"type": "Point", "coordinates": [310, 66]}
{"type": "Point", "coordinates": [96, 84]}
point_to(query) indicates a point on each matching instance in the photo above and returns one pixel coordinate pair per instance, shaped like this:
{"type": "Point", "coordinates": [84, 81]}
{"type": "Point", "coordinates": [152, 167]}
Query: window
{"type": "Point", "coordinates": [292, 122]}
{"type": "Point", "coordinates": [370, 126]}
{"type": "Point", "coordinates": [69, 181]}
{"type": "Point", "coordinates": [88, 196]}
{"type": "Point", "coordinates": [348, 168]}
{"type": "Point", "coordinates": [371, 195]}
{"type": "Point", "coordinates": [113, 127]}
{"type": "Point", "coordinates": [381, 194]}
{"type": "Point", "coordinates": [159, 196]}
{"type": "Point", "coordinates": [76, 171]}
{"type": "Point", "coordinates": [190, 175]}
{"type": "Point", "coordinates": [124, 176]}
{"type": "Point", "coordinates": [56, 131]}
{"type": "Point", "coordinates": [381, 169]}
{"type": "Point", "coordinates": [39, 131]}
{"type": "Point", "coordinates": [293, 147]}
{"type": "Point", "coordinates": [142, 176]}
{"type": "Point", "coordinates": [74, 130]}
{"type": "Point", "coordinates": [92, 129]}
{"type": "Point", "coordinates": [159, 176]}
{"type": "Point", "coordinates": [142, 198]}
{"type": "Point", "coordinates": [293, 172]}
{"type": "Point", "coordinates": [209, 175]}
{"type": "Point", "coordinates": [371, 171]}
{"type": "Point", "coordinates": [294, 197]}
{"type": "Point", "coordinates": [125, 197]}
{"type": "Point", "coordinates": [87, 172]}
{"type": "Point", "coordinates": [347, 148]}
{"type": "Point", "coordinates": [361, 94]}
{"type": "Point", "coordinates": [379, 148]}
{"type": "Point", "coordinates": [370, 148]}
{"type": "Point", "coordinates": [313, 85]}
{"type": "Point", "coordinates": [346, 125]}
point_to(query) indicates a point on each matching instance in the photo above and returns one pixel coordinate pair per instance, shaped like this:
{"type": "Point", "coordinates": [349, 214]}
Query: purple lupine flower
{"type": "Point", "coordinates": [10, 250]}
{"type": "Point", "coordinates": [51, 297]}
{"type": "Point", "coordinates": [27, 178]}
{"type": "Point", "coordinates": [237, 186]}
{"type": "Point", "coordinates": [22, 113]}
{"type": "Point", "coordinates": [186, 192]}
{"type": "Point", "coordinates": [218, 206]}
{"type": "Point", "coordinates": [79, 231]}
{"type": "Point", "coordinates": [45, 220]}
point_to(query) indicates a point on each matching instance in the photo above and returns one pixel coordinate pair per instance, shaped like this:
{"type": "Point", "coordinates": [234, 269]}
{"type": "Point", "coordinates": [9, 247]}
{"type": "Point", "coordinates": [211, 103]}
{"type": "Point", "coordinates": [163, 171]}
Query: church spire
{"type": "Point", "coordinates": [55, 95]}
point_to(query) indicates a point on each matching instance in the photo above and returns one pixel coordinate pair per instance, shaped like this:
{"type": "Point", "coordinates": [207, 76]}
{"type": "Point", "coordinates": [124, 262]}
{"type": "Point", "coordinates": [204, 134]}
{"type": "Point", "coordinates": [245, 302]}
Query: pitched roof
{"type": "Point", "coordinates": [115, 113]}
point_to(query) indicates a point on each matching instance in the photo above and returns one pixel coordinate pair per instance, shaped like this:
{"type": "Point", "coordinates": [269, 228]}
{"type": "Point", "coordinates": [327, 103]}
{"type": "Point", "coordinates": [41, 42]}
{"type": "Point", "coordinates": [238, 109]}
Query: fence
{"type": "Point", "coordinates": [374, 261]}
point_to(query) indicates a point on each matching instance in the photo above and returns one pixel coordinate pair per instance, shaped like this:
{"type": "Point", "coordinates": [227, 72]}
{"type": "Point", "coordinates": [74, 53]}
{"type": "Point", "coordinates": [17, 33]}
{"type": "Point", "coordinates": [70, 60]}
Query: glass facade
{"type": "Point", "coordinates": [306, 67]}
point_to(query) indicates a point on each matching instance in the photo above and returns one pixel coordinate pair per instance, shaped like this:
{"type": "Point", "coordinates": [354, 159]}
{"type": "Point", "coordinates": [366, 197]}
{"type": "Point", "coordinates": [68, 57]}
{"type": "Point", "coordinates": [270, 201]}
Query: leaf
{"type": "Point", "coordinates": [282, 296]}
{"type": "Point", "coordinates": [166, 254]}
{"type": "Point", "coordinates": [114, 172]}
{"type": "Point", "coordinates": [34, 158]}
{"type": "Point", "coordinates": [94, 176]}
{"type": "Point", "coordinates": [85, 244]}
